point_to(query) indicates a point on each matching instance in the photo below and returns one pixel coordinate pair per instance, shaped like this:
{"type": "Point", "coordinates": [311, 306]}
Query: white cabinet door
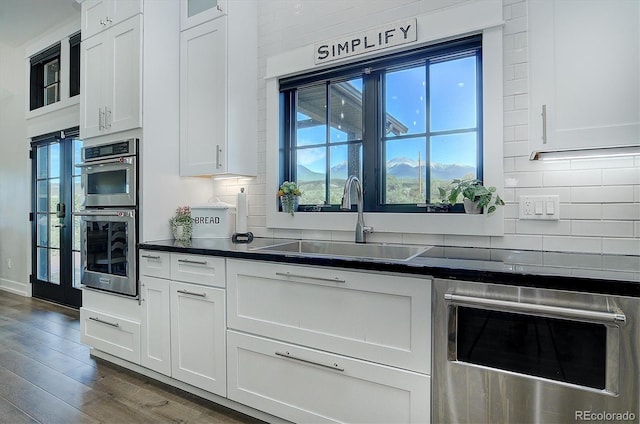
{"type": "Point", "coordinates": [305, 385]}
{"type": "Point", "coordinates": [584, 67]}
{"type": "Point", "coordinates": [198, 342]}
{"type": "Point", "coordinates": [155, 325]}
{"type": "Point", "coordinates": [111, 80]}
{"type": "Point", "coordinates": [99, 15]}
{"type": "Point", "coordinates": [124, 109]}
{"type": "Point", "coordinates": [111, 334]}
{"type": "Point", "coordinates": [196, 12]}
{"type": "Point", "coordinates": [218, 86]}
{"type": "Point", "coordinates": [203, 97]}
{"type": "Point", "coordinates": [378, 317]}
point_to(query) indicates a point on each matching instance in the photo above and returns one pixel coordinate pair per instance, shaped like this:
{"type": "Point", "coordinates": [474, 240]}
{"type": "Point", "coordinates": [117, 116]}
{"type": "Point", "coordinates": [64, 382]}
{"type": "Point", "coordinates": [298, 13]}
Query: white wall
{"type": "Point", "coordinates": [599, 199]}
{"type": "Point", "coordinates": [15, 175]}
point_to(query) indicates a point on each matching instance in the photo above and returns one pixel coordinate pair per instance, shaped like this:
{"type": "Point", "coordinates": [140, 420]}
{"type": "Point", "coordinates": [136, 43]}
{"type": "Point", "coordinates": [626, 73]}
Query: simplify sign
{"type": "Point", "coordinates": [379, 38]}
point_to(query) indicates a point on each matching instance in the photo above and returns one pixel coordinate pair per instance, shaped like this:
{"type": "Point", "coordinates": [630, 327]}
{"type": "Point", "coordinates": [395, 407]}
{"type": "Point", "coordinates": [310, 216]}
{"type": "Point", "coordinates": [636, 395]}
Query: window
{"type": "Point", "coordinates": [74, 65]}
{"type": "Point", "coordinates": [404, 124]}
{"type": "Point", "coordinates": [45, 77]}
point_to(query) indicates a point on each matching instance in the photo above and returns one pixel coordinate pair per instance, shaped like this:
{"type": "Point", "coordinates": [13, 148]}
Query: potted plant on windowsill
{"type": "Point", "coordinates": [476, 197]}
{"type": "Point", "coordinates": [289, 195]}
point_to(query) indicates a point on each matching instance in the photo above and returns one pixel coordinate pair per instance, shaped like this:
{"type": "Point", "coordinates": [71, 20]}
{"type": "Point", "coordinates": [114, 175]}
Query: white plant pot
{"type": "Point", "coordinates": [471, 207]}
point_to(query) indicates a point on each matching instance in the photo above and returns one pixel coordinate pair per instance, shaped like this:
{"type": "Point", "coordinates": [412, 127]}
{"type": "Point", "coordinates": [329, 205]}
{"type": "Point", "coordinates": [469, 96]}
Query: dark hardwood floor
{"type": "Point", "coordinates": [47, 376]}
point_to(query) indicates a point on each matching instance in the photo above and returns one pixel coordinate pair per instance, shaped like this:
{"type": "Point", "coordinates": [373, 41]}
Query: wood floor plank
{"type": "Point", "coordinates": [9, 413]}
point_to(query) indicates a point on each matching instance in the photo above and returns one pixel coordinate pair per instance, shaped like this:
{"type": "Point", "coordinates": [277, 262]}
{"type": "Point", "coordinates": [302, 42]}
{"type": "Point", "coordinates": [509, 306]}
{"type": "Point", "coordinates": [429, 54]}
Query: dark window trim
{"type": "Point", "coordinates": [74, 64]}
{"type": "Point", "coordinates": [36, 83]}
{"type": "Point", "coordinates": [370, 71]}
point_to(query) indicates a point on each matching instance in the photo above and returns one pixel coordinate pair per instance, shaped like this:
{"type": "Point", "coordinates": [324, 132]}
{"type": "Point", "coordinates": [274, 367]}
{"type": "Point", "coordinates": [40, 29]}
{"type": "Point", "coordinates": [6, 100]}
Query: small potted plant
{"type": "Point", "coordinates": [475, 196]}
{"type": "Point", "coordinates": [182, 223]}
{"type": "Point", "coordinates": [289, 195]}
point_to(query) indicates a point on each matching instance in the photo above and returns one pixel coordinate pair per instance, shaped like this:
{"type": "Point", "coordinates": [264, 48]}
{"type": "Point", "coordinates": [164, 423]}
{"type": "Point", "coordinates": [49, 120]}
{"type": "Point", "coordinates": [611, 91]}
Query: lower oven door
{"type": "Point", "coordinates": [507, 354]}
{"type": "Point", "coordinates": [108, 250]}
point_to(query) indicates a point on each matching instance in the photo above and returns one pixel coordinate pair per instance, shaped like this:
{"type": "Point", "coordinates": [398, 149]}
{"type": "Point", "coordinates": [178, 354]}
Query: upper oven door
{"type": "Point", "coordinates": [108, 250]}
{"type": "Point", "coordinates": [110, 182]}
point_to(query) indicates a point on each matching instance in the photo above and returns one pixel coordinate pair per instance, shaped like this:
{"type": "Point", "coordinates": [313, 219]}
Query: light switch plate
{"type": "Point", "coordinates": [544, 208]}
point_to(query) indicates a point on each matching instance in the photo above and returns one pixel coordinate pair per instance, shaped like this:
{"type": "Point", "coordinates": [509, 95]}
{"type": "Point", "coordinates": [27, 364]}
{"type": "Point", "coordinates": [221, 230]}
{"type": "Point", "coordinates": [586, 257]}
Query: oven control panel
{"type": "Point", "coordinates": [104, 151]}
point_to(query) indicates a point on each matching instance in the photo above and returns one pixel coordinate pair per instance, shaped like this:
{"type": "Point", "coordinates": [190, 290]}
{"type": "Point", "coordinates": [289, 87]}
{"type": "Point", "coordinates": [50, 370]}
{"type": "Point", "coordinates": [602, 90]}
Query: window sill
{"type": "Point", "coordinates": [62, 104]}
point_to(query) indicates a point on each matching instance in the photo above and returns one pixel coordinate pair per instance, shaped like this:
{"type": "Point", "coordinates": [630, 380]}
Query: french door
{"type": "Point", "coordinates": [57, 194]}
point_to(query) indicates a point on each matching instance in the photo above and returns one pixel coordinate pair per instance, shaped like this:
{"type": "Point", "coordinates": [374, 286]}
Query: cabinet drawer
{"type": "Point", "coordinates": [305, 385]}
{"type": "Point", "coordinates": [114, 335]}
{"type": "Point", "coordinates": [198, 269]}
{"type": "Point", "coordinates": [378, 317]}
{"type": "Point", "coordinates": [155, 264]}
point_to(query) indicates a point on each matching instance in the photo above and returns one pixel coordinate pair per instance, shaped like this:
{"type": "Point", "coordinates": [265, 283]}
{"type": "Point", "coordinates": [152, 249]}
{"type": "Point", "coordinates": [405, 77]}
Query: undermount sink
{"type": "Point", "coordinates": [344, 249]}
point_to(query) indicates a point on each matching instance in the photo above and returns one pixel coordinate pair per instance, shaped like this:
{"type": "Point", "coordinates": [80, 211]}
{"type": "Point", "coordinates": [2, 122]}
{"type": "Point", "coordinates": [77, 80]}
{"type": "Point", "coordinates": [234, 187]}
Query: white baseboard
{"type": "Point", "coordinates": [16, 287]}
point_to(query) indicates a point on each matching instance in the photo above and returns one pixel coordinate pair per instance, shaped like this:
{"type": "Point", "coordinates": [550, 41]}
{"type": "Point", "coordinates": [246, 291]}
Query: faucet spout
{"type": "Point", "coordinates": [361, 229]}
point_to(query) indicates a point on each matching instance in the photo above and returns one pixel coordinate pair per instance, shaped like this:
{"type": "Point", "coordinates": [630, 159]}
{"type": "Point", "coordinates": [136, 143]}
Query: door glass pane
{"type": "Point", "coordinates": [54, 264]}
{"type": "Point", "coordinates": [405, 102]}
{"type": "Point", "coordinates": [54, 193]}
{"type": "Point", "coordinates": [43, 162]}
{"type": "Point", "coordinates": [54, 161]}
{"type": "Point", "coordinates": [42, 229]}
{"type": "Point", "coordinates": [42, 196]}
{"type": "Point", "coordinates": [42, 264]}
{"type": "Point", "coordinates": [406, 171]}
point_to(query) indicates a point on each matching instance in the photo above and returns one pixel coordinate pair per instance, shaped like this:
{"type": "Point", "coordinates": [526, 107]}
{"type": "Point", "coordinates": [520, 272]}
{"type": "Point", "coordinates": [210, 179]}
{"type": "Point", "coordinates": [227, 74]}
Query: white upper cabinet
{"type": "Point", "coordinates": [111, 80]}
{"type": "Point", "coordinates": [195, 12]}
{"type": "Point", "coordinates": [584, 74]}
{"type": "Point", "coordinates": [98, 15]}
{"type": "Point", "coordinates": [218, 91]}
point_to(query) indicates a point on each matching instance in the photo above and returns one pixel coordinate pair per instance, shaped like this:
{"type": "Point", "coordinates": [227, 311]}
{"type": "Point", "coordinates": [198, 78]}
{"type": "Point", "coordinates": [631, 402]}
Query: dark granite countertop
{"type": "Point", "coordinates": [593, 273]}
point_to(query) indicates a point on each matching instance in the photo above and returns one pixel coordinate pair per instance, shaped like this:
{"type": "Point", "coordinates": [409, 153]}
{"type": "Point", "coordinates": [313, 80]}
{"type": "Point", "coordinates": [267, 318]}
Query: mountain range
{"type": "Point", "coordinates": [401, 168]}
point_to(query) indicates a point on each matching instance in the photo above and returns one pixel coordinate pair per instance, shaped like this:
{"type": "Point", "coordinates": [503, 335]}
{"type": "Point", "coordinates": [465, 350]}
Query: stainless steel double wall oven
{"type": "Point", "coordinates": [109, 217]}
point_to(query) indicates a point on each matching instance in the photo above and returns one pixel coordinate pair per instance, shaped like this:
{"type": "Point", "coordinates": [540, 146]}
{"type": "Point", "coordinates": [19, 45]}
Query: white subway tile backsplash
{"type": "Point", "coordinates": [621, 211]}
{"type": "Point", "coordinates": [603, 163]}
{"type": "Point", "coordinates": [581, 211]}
{"type": "Point", "coordinates": [602, 228]}
{"type": "Point", "coordinates": [515, 25]}
{"type": "Point", "coordinates": [518, 86]}
{"type": "Point", "coordinates": [521, 70]}
{"type": "Point", "coordinates": [572, 177]}
{"type": "Point", "coordinates": [571, 244]}
{"type": "Point", "coordinates": [621, 246]}
{"type": "Point", "coordinates": [518, 148]}
{"type": "Point", "coordinates": [515, 56]}
{"type": "Point", "coordinates": [425, 239]}
{"type": "Point", "coordinates": [526, 226]}
{"type": "Point", "coordinates": [516, 117]}
{"type": "Point", "coordinates": [522, 134]}
{"type": "Point", "coordinates": [521, 101]}
{"type": "Point", "coordinates": [523, 179]}
{"type": "Point", "coordinates": [466, 241]}
{"type": "Point", "coordinates": [620, 194]}
{"type": "Point", "coordinates": [621, 176]}
{"type": "Point", "coordinates": [517, 241]}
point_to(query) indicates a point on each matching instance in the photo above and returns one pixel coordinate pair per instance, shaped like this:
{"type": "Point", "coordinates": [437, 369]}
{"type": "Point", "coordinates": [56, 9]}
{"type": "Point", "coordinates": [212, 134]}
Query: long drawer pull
{"type": "Point", "coordinates": [310, 277]}
{"type": "Point", "coordinates": [190, 261]}
{"type": "Point", "coordinates": [112, 324]}
{"type": "Point", "coordinates": [534, 308]}
{"type": "Point", "coordinates": [287, 355]}
{"type": "Point", "coordinates": [151, 256]}
{"type": "Point", "coordinates": [192, 293]}
{"type": "Point", "coordinates": [544, 124]}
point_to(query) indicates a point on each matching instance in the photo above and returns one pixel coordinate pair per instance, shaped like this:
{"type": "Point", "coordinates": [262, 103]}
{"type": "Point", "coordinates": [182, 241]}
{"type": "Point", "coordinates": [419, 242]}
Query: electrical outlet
{"type": "Point", "coordinates": [546, 208]}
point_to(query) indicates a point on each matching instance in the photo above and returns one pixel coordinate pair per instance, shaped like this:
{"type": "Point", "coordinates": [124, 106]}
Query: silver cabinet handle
{"type": "Point", "coordinates": [190, 261]}
{"type": "Point", "coordinates": [100, 119]}
{"type": "Point", "coordinates": [107, 117]}
{"type": "Point", "coordinates": [287, 355]}
{"type": "Point", "coordinates": [150, 256]}
{"type": "Point", "coordinates": [310, 277]}
{"type": "Point", "coordinates": [544, 124]}
{"type": "Point", "coordinates": [112, 324]}
{"type": "Point", "coordinates": [192, 293]}
{"type": "Point", "coordinates": [218, 153]}
{"type": "Point", "coordinates": [109, 19]}
{"type": "Point", "coordinates": [534, 308]}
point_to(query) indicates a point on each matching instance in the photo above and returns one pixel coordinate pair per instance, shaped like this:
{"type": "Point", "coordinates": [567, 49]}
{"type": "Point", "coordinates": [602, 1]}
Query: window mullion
{"type": "Point", "coordinates": [327, 140]}
{"type": "Point", "coordinates": [427, 159]}
{"type": "Point", "coordinates": [371, 144]}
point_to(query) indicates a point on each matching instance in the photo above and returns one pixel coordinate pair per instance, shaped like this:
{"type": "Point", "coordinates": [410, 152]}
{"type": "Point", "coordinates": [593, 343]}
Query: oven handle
{"type": "Point", "coordinates": [125, 160]}
{"type": "Point", "coordinates": [105, 213]}
{"type": "Point", "coordinates": [505, 305]}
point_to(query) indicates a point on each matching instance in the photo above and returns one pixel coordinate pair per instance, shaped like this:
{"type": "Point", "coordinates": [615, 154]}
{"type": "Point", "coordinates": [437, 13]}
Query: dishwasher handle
{"type": "Point", "coordinates": [533, 308]}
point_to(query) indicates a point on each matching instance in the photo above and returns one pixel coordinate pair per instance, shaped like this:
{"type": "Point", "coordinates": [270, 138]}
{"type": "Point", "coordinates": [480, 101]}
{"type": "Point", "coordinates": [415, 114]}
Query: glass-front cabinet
{"type": "Point", "coordinates": [195, 12]}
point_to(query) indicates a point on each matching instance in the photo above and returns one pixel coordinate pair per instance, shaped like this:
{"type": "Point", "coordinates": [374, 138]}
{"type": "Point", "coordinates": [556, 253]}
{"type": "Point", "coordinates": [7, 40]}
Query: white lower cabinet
{"type": "Point", "coordinates": [184, 322]}
{"type": "Point", "coordinates": [307, 385]}
{"type": "Point", "coordinates": [198, 348]}
{"type": "Point", "coordinates": [111, 334]}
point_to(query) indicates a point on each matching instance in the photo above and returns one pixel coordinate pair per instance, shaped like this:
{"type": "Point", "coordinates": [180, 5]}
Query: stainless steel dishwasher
{"type": "Point", "coordinates": [505, 354]}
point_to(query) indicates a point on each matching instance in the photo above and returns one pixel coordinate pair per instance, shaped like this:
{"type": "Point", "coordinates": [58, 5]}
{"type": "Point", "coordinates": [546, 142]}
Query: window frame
{"type": "Point", "coordinates": [457, 21]}
{"type": "Point", "coordinates": [372, 72]}
{"type": "Point", "coordinates": [37, 85]}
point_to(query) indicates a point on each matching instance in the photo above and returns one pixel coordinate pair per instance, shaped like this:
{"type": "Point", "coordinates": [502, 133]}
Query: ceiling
{"type": "Point", "coordinates": [25, 20]}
